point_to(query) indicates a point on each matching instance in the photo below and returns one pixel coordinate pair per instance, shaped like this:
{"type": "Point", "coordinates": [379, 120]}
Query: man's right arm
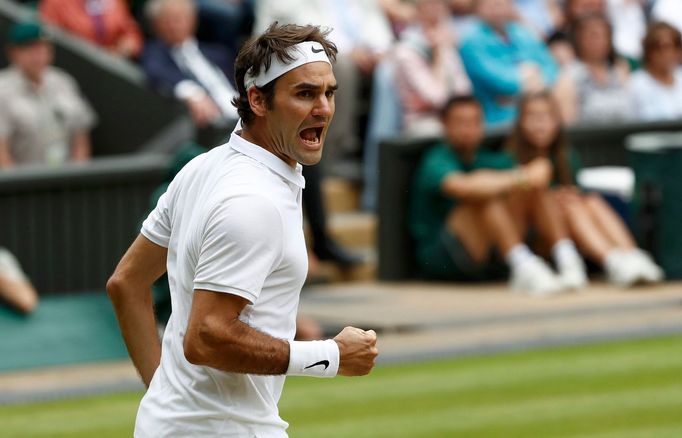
{"type": "Point", "coordinates": [216, 338]}
{"type": "Point", "coordinates": [485, 184]}
{"type": "Point", "coordinates": [129, 289]}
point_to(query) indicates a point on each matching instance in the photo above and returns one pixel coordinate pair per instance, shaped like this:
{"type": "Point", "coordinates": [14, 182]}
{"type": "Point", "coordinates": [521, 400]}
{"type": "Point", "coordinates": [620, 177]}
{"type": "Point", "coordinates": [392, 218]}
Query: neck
{"type": "Point", "coordinates": [466, 155]}
{"type": "Point", "coordinates": [36, 81]}
{"type": "Point", "coordinates": [499, 28]}
{"type": "Point", "coordinates": [258, 134]}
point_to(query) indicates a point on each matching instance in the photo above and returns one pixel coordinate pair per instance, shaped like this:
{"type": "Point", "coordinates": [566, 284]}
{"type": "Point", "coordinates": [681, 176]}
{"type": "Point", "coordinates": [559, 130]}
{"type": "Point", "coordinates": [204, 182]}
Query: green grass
{"type": "Point", "coordinates": [623, 389]}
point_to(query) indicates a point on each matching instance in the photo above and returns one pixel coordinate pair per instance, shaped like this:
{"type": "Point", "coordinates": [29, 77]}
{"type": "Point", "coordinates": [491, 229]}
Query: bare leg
{"type": "Point", "coordinates": [589, 238]}
{"type": "Point", "coordinates": [547, 217]}
{"type": "Point", "coordinates": [478, 226]}
{"type": "Point", "coordinates": [609, 222]}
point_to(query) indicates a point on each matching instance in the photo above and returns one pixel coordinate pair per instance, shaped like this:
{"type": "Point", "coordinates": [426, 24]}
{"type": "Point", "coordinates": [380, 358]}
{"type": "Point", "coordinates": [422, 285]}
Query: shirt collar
{"type": "Point", "coordinates": [267, 158]}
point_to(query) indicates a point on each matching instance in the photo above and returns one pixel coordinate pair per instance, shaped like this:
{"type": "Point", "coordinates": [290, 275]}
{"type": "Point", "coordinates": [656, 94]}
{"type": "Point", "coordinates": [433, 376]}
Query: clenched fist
{"type": "Point", "coordinates": [357, 351]}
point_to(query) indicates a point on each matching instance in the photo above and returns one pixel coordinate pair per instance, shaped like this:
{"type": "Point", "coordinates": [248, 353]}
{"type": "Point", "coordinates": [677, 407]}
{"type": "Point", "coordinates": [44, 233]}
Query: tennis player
{"type": "Point", "coordinates": [229, 232]}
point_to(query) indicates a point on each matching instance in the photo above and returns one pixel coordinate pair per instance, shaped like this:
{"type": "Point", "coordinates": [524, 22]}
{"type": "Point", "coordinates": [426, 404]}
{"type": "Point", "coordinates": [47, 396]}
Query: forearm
{"type": "Point", "coordinates": [480, 185]}
{"type": "Point", "coordinates": [135, 314]}
{"type": "Point", "coordinates": [236, 347]}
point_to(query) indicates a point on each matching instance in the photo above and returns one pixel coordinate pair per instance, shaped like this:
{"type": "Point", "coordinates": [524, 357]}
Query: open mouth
{"type": "Point", "coordinates": [311, 136]}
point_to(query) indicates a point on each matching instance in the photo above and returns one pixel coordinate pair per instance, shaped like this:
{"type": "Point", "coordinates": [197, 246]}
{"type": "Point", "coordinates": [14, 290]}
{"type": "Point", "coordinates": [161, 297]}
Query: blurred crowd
{"type": "Point", "coordinates": [400, 63]}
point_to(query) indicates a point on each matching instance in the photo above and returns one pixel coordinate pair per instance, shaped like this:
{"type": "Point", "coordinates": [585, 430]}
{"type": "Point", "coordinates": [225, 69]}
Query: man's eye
{"type": "Point", "coordinates": [305, 93]}
{"type": "Point", "coordinates": [330, 93]}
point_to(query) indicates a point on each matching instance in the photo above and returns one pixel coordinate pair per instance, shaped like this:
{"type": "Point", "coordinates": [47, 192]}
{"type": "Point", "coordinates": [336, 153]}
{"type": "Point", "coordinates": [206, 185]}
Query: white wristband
{"type": "Point", "coordinates": [313, 358]}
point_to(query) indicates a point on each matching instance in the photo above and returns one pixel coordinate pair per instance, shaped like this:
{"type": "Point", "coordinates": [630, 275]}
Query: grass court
{"type": "Point", "coordinates": [618, 389]}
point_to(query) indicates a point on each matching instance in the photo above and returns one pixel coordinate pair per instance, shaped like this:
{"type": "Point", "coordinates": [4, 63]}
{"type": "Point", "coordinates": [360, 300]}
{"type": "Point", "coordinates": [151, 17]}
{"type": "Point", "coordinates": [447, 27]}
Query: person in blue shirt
{"type": "Point", "coordinates": [504, 59]}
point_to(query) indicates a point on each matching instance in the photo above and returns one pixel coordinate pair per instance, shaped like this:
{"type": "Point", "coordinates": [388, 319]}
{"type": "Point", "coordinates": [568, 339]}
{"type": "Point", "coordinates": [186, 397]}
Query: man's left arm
{"type": "Point", "coordinates": [129, 289]}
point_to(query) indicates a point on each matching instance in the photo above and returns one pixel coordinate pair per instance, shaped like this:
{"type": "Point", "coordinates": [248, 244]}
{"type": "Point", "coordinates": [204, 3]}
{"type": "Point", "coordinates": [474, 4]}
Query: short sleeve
{"type": "Point", "coordinates": [241, 244]}
{"type": "Point", "coordinates": [157, 226]}
{"type": "Point", "coordinates": [435, 167]}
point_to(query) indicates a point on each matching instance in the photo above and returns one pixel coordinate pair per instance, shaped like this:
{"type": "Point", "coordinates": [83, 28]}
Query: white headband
{"type": "Point", "coordinates": [303, 53]}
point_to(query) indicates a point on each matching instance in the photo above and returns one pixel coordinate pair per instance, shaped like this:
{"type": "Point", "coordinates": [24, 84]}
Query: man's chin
{"type": "Point", "coordinates": [310, 158]}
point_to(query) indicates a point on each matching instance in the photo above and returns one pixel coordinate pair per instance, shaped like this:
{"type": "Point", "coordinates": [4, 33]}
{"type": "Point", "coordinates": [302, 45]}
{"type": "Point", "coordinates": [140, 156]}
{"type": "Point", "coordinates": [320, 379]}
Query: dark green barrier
{"type": "Point", "coordinates": [69, 226]}
{"type": "Point", "coordinates": [657, 162]}
{"type": "Point", "coordinates": [398, 159]}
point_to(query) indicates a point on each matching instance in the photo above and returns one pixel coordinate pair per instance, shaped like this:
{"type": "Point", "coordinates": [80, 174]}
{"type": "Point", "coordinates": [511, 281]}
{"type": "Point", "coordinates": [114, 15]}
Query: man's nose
{"type": "Point", "coordinates": [324, 106]}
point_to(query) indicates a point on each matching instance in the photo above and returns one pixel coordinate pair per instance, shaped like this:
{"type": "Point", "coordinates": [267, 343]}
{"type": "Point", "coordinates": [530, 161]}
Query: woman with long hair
{"type": "Point", "coordinates": [597, 230]}
{"type": "Point", "coordinates": [594, 88]}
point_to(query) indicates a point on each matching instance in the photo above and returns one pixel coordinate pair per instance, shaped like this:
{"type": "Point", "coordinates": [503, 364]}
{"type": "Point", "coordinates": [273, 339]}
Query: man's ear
{"type": "Point", "coordinates": [257, 101]}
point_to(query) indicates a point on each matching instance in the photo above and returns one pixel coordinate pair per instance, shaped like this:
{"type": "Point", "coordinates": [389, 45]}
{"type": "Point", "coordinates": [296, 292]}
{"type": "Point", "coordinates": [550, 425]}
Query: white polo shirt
{"type": "Point", "coordinates": [232, 223]}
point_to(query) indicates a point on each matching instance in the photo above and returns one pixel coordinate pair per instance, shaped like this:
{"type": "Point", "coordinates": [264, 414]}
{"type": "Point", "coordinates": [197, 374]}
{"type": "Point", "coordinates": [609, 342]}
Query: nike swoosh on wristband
{"type": "Point", "coordinates": [322, 362]}
{"type": "Point", "coordinates": [316, 50]}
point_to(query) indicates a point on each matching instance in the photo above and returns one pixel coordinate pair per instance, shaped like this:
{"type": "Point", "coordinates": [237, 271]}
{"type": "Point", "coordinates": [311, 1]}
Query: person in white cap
{"type": "Point", "coordinates": [229, 233]}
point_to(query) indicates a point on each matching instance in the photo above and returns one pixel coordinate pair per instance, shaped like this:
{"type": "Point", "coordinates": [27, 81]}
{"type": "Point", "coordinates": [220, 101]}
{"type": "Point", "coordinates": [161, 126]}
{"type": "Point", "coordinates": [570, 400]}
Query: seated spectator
{"type": "Point", "coordinates": [471, 208]}
{"type": "Point", "coordinates": [598, 231]}
{"type": "Point", "coordinates": [106, 23]}
{"type": "Point", "coordinates": [594, 89]}
{"type": "Point", "coordinates": [15, 289]}
{"type": "Point", "coordinates": [504, 59]}
{"type": "Point", "coordinates": [43, 117]}
{"type": "Point", "coordinates": [657, 88]}
{"type": "Point", "coordinates": [194, 73]}
{"type": "Point", "coordinates": [428, 69]}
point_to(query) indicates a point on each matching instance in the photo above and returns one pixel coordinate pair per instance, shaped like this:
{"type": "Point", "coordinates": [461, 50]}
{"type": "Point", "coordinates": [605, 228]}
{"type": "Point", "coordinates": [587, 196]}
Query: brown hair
{"type": "Point", "coordinates": [257, 53]}
{"type": "Point", "coordinates": [519, 145]}
{"type": "Point", "coordinates": [578, 26]}
{"type": "Point", "coordinates": [650, 40]}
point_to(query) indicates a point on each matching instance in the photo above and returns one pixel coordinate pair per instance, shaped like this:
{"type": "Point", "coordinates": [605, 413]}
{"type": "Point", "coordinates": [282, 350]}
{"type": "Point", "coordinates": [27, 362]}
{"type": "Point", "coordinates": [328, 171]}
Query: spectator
{"type": "Point", "coordinates": [669, 11]}
{"type": "Point", "coordinates": [194, 73]}
{"type": "Point", "coordinates": [598, 231]}
{"type": "Point", "coordinates": [657, 88]}
{"type": "Point", "coordinates": [428, 69]}
{"type": "Point", "coordinates": [43, 117]}
{"type": "Point", "coordinates": [503, 60]}
{"type": "Point", "coordinates": [594, 89]}
{"type": "Point", "coordinates": [470, 206]}
{"type": "Point", "coordinates": [15, 289]}
{"type": "Point", "coordinates": [106, 23]}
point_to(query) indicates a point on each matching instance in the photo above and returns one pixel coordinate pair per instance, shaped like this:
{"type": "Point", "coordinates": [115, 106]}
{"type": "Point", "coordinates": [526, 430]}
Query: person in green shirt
{"type": "Point", "coordinates": [598, 231]}
{"type": "Point", "coordinates": [471, 208]}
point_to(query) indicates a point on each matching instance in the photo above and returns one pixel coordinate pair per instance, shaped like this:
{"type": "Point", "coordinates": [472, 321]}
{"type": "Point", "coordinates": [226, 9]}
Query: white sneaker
{"type": "Point", "coordinates": [572, 272]}
{"type": "Point", "coordinates": [534, 277]}
{"type": "Point", "coordinates": [622, 269]}
{"type": "Point", "coordinates": [650, 271]}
